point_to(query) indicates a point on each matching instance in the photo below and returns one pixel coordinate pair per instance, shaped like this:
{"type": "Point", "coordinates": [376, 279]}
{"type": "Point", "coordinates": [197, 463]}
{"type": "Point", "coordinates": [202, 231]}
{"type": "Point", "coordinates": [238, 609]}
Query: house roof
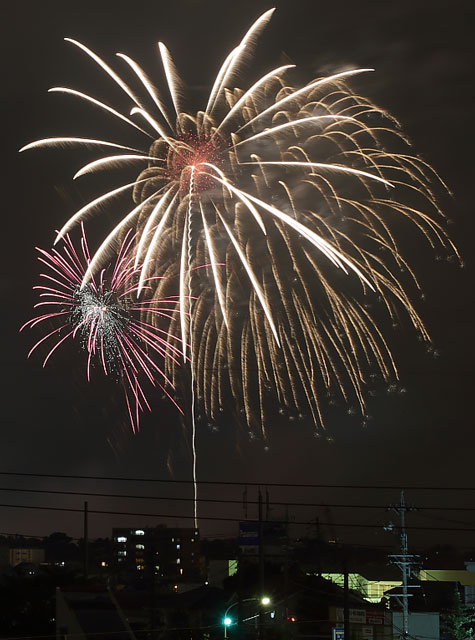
{"type": "Point", "coordinates": [96, 612]}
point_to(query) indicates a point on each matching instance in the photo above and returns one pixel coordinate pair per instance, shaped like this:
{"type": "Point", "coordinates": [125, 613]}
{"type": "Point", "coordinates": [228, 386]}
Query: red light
{"type": "Point", "coordinates": [187, 158]}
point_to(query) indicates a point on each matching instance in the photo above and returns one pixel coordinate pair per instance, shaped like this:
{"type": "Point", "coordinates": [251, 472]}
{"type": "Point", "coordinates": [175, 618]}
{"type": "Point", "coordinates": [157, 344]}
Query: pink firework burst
{"type": "Point", "coordinates": [109, 319]}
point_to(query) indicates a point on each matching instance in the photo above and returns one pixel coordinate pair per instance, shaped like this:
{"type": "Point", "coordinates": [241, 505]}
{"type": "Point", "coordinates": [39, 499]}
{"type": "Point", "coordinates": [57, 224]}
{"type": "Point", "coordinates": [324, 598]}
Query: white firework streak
{"type": "Point", "coordinates": [239, 173]}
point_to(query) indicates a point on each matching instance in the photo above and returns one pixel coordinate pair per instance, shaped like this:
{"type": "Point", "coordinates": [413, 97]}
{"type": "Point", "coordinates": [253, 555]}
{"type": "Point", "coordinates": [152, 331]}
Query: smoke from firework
{"type": "Point", "coordinates": [279, 189]}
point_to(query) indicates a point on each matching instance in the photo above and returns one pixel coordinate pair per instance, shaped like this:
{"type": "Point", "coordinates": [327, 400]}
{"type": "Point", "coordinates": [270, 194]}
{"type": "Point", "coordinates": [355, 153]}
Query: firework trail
{"type": "Point", "coordinates": [107, 318]}
{"type": "Point", "coordinates": [299, 200]}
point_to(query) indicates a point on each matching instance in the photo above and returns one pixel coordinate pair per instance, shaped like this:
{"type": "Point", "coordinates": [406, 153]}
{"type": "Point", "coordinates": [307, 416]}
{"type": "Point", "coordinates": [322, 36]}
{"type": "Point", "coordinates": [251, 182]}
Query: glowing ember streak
{"type": "Point", "coordinates": [188, 159]}
{"type": "Point", "coordinates": [107, 319]}
{"type": "Point", "coordinates": [299, 199]}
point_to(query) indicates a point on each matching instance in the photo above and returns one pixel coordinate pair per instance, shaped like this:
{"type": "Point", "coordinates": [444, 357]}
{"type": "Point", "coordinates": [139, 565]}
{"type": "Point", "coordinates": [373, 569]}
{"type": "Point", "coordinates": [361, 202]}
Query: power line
{"type": "Point", "coordinates": [441, 519]}
{"type": "Point", "coordinates": [241, 483]}
{"type": "Point", "coordinates": [221, 518]}
{"type": "Point", "coordinates": [223, 500]}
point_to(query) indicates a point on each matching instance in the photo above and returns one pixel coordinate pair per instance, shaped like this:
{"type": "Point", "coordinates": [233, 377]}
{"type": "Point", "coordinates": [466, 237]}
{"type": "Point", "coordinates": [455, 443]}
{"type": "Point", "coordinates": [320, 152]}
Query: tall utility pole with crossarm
{"type": "Point", "coordinates": [406, 563]}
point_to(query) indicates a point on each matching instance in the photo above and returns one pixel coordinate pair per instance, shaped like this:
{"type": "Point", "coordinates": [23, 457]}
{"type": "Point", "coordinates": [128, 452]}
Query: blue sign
{"type": "Point", "coordinates": [338, 633]}
{"type": "Point", "coordinates": [248, 534]}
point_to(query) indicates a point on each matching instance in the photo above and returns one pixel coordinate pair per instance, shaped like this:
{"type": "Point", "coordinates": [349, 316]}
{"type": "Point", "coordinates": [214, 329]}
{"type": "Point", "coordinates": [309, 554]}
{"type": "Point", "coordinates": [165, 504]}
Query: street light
{"type": "Point", "coordinates": [228, 621]}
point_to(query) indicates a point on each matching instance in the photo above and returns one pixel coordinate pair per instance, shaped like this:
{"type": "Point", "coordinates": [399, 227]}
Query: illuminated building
{"type": "Point", "coordinates": [370, 590]}
{"type": "Point", "coordinates": [32, 555]}
{"type": "Point", "coordinates": [172, 553]}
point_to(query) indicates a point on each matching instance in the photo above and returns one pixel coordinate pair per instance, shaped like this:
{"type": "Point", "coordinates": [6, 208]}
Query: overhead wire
{"type": "Point", "coordinates": [225, 500]}
{"type": "Point", "coordinates": [222, 518]}
{"type": "Point", "coordinates": [241, 483]}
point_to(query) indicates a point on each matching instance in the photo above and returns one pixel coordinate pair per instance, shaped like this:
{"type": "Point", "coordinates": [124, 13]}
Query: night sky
{"type": "Point", "coordinates": [420, 433]}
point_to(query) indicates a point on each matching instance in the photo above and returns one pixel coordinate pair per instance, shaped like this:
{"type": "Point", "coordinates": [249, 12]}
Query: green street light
{"type": "Point", "coordinates": [228, 621]}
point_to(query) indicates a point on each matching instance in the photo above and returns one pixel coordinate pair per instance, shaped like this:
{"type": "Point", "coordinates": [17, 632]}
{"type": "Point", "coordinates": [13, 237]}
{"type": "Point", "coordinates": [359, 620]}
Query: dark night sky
{"type": "Point", "coordinates": [53, 423]}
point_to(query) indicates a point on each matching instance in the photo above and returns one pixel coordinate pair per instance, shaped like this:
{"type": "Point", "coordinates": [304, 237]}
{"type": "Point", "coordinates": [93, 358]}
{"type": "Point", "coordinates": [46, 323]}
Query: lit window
{"type": "Point", "coordinates": [178, 546]}
{"type": "Point", "coordinates": [140, 567]}
{"type": "Point", "coordinates": [139, 532]}
{"type": "Point", "coordinates": [103, 564]}
{"type": "Point", "coordinates": [196, 533]}
{"type": "Point", "coordinates": [139, 546]}
{"type": "Point", "coordinates": [173, 539]}
{"type": "Point", "coordinates": [121, 539]}
{"type": "Point", "coordinates": [181, 572]}
{"type": "Point", "coordinates": [192, 539]}
{"type": "Point", "coordinates": [178, 560]}
{"type": "Point", "coordinates": [122, 553]}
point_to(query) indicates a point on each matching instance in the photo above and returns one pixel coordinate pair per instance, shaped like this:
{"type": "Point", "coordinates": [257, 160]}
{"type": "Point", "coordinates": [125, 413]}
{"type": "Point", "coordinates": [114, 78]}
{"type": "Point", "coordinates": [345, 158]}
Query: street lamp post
{"type": "Point", "coordinates": [264, 601]}
{"type": "Point", "coordinates": [227, 619]}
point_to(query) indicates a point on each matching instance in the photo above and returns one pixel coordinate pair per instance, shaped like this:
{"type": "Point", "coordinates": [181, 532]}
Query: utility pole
{"type": "Point", "coordinates": [405, 561]}
{"type": "Point", "coordinates": [285, 608]}
{"type": "Point", "coordinates": [261, 568]}
{"type": "Point", "coordinates": [240, 588]}
{"type": "Point", "coordinates": [346, 599]}
{"type": "Point", "coordinates": [86, 542]}
{"type": "Point", "coordinates": [150, 566]}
